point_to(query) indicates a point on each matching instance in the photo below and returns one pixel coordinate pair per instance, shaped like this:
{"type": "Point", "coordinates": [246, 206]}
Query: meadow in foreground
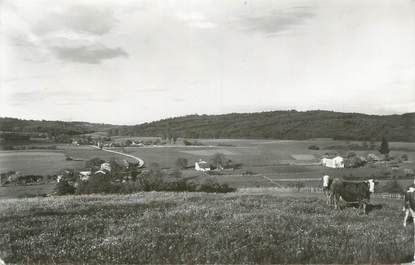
{"type": "Point", "coordinates": [163, 227]}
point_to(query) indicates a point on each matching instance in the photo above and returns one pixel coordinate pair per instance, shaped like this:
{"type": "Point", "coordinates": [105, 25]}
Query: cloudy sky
{"type": "Point", "coordinates": [127, 62]}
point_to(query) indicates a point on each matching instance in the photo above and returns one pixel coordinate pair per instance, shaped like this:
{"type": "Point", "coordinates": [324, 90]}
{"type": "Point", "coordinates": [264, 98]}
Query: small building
{"type": "Point", "coordinates": [84, 175]}
{"type": "Point", "coordinates": [335, 162]}
{"type": "Point", "coordinates": [106, 166]}
{"type": "Point", "coordinates": [202, 166]}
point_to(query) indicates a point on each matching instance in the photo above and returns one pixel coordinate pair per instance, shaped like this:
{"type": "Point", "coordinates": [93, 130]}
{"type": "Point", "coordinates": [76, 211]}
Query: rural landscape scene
{"type": "Point", "coordinates": [180, 132]}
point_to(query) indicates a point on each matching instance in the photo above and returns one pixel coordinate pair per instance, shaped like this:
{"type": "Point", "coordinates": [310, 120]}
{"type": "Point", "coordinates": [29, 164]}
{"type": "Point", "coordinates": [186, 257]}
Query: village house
{"type": "Point", "coordinates": [84, 175]}
{"type": "Point", "coordinates": [334, 162]}
{"type": "Point", "coordinates": [202, 165]}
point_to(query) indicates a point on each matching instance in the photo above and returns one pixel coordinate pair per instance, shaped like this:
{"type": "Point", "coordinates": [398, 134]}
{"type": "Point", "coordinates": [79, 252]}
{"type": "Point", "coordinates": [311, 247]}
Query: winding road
{"type": "Point", "coordinates": [139, 160]}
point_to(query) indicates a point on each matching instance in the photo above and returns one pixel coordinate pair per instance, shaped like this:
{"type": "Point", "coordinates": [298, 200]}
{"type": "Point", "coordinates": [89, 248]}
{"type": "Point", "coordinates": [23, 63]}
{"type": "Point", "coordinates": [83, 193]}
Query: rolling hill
{"type": "Point", "coordinates": [290, 125]}
{"type": "Point", "coordinates": [280, 125]}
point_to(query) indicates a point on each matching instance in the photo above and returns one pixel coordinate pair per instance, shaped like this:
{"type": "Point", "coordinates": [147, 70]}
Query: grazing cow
{"type": "Point", "coordinates": [409, 208]}
{"type": "Point", "coordinates": [352, 192]}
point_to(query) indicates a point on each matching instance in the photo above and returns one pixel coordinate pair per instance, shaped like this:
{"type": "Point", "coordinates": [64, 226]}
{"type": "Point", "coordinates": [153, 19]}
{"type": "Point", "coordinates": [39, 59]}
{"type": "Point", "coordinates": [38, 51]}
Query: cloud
{"type": "Point", "coordinates": [276, 21]}
{"type": "Point", "coordinates": [93, 54]}
{"type": "Point", "coordinates": [95, 20]}
{"type": "Point", "coordinates": [71, 33]}
{"type": "Point", "coordinates": [196, 20]}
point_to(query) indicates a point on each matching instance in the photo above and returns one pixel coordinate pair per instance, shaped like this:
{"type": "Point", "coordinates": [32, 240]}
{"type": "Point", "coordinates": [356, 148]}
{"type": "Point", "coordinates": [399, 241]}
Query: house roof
{"type": "Point", "coordinates": [203, 164]}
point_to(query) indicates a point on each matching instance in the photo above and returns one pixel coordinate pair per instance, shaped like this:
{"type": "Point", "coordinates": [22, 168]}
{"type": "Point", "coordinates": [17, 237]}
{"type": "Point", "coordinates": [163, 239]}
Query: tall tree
{"type": "Point", "coordinates": [384, 147]}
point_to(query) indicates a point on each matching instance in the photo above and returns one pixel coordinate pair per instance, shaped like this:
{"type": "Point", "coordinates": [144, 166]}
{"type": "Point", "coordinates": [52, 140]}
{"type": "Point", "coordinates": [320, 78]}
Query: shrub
{"type": "Point", "coordinates": [219, 161]}
{"type": "Point", "coordinates": [404, 157]}
{"type": "Point", "coordinates": [314, 147]}
{"type": "Point", "coordinates": [64, 188]}
{"type": "Point", "coordinates": [151, 179]}
{"type": "Point", "coordinates": [98, 183]}
{"type": "Point", "coordinates": [94, 163]}
{"type": "Point", "coordinates": [212, 186]}
{"type": "Point", "coordinates": [181, 163]}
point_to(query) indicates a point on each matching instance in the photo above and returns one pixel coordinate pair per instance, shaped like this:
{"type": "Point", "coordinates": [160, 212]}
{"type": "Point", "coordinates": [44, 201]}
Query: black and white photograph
{"type": "Point", "coordinates": [207, 132]}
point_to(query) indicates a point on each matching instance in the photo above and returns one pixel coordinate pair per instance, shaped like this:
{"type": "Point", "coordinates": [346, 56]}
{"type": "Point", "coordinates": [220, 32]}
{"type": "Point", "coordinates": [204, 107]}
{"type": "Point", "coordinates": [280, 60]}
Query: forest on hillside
{"type": "Point", "coordinates": [280, 125]}
{"type": "Point", "coordinates": [60, 131]}
{"type": "Point", "coordinates": [293, 125]}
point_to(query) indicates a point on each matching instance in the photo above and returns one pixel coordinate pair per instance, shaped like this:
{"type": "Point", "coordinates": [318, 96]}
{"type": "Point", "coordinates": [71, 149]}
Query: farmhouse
{"type": "Point", "coordinates": [335, 162]}
{"type": "Point", "coordinates": [84, 175]}
{"type": "Point", "coordinates": [202, 165]}
{"type": "Point", "coordinates": [106, 166]}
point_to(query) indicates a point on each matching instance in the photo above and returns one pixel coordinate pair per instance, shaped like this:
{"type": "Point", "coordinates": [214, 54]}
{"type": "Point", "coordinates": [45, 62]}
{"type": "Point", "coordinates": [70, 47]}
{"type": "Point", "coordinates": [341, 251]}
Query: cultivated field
{"type": "Point", "coordinates": [250, 226]}
{"type": "Point", "coordinates": [36, 162]}
{"type": "Point", "coordinates": [265, 163]}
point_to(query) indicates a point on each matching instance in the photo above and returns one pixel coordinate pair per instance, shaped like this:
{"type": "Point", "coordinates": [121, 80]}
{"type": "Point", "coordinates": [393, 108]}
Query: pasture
{"type": "Point", "coordinates": [249, 226]}
{"type": "Point", "coordinates": [265, 163]}
{"type": "Point", "coordinates": [37, 162]}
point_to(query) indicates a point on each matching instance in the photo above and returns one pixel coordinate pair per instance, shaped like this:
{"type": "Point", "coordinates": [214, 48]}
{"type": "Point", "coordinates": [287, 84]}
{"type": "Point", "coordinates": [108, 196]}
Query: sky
{"type": "Point", "coordinates": [128, 62]}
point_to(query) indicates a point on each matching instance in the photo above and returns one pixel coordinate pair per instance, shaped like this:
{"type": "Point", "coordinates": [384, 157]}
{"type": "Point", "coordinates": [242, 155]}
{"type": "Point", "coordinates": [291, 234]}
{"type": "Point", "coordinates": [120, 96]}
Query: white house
{"type": "Point", "coordinates": [202, 166]}
{"type": "Point", "coordinates": [106, 166]}
{"type": "Point", "coordinates": [335, 162]}
{"type": "Point", "coordinates": [84, 175]}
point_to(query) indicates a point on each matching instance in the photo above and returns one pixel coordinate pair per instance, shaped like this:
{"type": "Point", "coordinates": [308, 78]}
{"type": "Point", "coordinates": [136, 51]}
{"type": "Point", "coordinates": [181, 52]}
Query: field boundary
{"type": "Point", "coordinates": [396, 196]}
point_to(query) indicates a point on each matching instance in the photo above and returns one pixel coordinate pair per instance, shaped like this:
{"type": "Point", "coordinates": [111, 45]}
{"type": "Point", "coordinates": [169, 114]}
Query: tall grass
{"type": "Point", "coordinates": [163, 227]}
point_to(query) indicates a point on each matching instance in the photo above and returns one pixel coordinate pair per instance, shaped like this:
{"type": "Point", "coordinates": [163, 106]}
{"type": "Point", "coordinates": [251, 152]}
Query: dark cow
{"type": "Point", "coordinates": [409, 208]}
{"type": "Point", "coordinates": [352, 192]}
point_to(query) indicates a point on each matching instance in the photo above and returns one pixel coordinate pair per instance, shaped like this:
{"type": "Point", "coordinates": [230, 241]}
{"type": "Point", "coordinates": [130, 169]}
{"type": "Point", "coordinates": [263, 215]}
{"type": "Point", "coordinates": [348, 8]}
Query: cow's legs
{"type": "Point", "coordinates": [414, 234]}
{"type": "Point", "coordinates": [413, 215]}
{"type": "Point", "coordinates": [336, 201]}
{"type": "Point", "coordinates": [406, 217]}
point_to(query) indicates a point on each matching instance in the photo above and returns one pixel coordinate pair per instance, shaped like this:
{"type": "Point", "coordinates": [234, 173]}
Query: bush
{"type": "Point", "coordinates": [314, 147]}
{"type": "Point", "coordinates": [181, 163]}
{"type": "Point", "coordinates": [213, 186]}
{"type": "Point", "coordinates": [64, 188]}
{"type": "Point", "coordinates": [94, 163]}
{"type": "Point", "coordinates": [98, 183]}
{"type": "Point", "coordinates": [151, 180]}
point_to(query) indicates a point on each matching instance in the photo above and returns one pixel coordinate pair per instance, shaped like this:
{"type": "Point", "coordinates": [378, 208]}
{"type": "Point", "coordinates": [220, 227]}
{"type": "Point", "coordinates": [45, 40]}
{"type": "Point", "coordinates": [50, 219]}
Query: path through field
{"type": "Point", "coordinates": [140, 161]}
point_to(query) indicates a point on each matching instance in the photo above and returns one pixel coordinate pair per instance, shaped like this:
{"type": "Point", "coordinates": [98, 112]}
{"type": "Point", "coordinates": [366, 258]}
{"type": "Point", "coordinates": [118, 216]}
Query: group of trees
{"type": "Point", "coordinates": [132, 179]}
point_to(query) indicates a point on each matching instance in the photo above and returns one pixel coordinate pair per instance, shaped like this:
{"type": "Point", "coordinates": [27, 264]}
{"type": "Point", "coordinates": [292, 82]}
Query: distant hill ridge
{"type": "Point", "coordinates": [281, 125]}
{"type": "Point", "coordinates": [52, 128]}
{"type": "Point", "coordinates": [295, 125]}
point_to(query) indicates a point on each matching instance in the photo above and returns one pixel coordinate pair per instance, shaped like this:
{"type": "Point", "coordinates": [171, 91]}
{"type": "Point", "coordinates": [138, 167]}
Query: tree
{"type": "Point", "coordinates": [94, 163]}
{"type": "Point", "coordinates": [181, 163]}
{"type": "Point", "coordinates": [219, 160]}
{"type": "Point", "coordinates": [152, 179]}
{"type": "Point", "coordinates": [384, 148]}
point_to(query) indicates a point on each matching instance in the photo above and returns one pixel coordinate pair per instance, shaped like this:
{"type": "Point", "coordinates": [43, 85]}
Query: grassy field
{"type": "Point", "coordinates": [24, 191]}
{"type": "Point", "coordinates": [265, 163]}
{"type": "Point", "coordinates": [253, 226]}
{"type": "Point", "coordinates": [37, 162]}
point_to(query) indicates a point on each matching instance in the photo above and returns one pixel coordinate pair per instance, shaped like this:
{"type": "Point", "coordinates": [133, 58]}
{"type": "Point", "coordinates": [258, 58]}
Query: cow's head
{"type": "Point", "coordinates": [371, 184]}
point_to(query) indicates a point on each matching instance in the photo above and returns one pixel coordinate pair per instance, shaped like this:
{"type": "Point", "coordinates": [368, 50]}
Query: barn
{"type": "Point", "coordinates": [334, 162]}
